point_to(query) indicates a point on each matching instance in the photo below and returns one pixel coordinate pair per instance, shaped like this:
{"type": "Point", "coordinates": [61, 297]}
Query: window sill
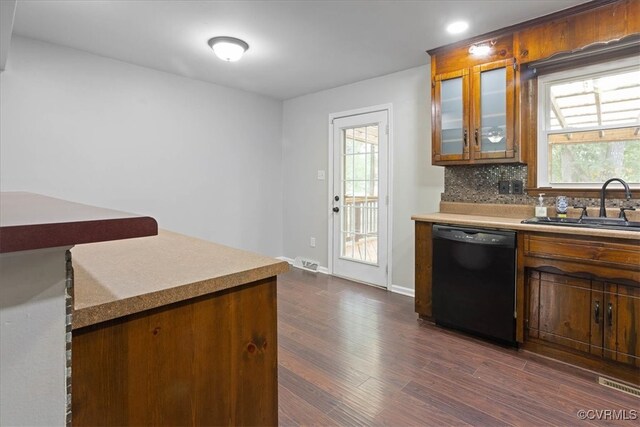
{"type": "Point", "coordinates": [612, 193]}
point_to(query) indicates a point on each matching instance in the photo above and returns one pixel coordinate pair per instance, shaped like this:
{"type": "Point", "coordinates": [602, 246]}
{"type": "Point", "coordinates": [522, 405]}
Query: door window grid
{"type": "Point", "coordinates": [359, 219]}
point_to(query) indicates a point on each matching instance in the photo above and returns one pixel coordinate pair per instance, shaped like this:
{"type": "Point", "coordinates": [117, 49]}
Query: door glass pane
{"type": "Point", "coordinates": [451, 108]}
{"type": "Point", "coordinates": [359, 219]}
{"type": "Point", "coordinates": [493, 107]}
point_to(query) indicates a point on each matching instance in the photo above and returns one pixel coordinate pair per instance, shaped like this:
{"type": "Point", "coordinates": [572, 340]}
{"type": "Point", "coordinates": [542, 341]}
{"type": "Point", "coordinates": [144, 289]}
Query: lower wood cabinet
{"type": "Point", "coordinates": [621, 324]}
{"type": "Point", "coordinates": [210, 360]}
{"type": "Point", "coordinates": [587, 315]}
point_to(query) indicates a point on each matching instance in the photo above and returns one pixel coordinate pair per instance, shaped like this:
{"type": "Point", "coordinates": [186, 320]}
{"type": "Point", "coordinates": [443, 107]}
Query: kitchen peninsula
{"type": "Point", "coordinates": [36, 286]}
{"type": "Point", "coordinates": [173, 330]}
{"type": "Point", "coordinates": [157, 329]}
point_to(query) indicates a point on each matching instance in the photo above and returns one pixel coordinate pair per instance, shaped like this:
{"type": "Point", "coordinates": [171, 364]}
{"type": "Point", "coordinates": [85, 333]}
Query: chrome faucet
{"type": "Point", "coordinates": [627, 193]}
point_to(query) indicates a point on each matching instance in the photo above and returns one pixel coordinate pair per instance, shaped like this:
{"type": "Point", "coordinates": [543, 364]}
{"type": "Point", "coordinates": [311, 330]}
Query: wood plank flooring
{"type": "Point", "coordinates": [353, 355]}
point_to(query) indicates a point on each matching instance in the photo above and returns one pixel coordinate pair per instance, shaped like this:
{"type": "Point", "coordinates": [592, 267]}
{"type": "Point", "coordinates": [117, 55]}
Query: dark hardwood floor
{"type": "Point", "coordinates": [351, 354]}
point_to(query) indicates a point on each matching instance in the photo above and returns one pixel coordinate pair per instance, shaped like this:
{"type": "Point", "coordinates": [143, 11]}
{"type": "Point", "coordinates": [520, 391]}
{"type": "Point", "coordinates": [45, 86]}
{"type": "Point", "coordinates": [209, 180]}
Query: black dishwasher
{"type": "Point", "coordinates": [474, 278]}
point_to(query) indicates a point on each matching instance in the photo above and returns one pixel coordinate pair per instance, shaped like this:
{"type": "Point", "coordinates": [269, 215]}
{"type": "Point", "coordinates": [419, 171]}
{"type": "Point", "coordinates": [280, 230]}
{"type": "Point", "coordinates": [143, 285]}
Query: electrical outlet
{"type": "Point", "coordinates": [320, 175]}
{"type": "Point", "coordinates": [503, 187]}
{"type": "Point", "coordinates": [516, 186]}
{"type": "Point", "coordinates": [312, 242]}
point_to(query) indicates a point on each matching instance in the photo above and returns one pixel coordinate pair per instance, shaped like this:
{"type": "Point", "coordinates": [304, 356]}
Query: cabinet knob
{"type": "Point", "coordinates": [476, 136]}
{"type": "Point", "coordinates": [465, 137]}
{"type": "Point", "coordinates": [610, 314]}
{"type": "Point", "coordinates": [596, 312]}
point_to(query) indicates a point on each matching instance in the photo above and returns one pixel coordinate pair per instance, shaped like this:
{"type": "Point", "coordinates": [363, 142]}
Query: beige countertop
{"type": "Point", "coordinates": [115, 279]}
{"type": "Point", "coordinates": [509, 217]}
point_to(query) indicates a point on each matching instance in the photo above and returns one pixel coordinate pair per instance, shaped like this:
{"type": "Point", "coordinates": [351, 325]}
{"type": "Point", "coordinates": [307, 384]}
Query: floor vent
{"type": "Point", "coordinates": [306, 264]}
{"type": "Point", "coordinates": [633, 391]}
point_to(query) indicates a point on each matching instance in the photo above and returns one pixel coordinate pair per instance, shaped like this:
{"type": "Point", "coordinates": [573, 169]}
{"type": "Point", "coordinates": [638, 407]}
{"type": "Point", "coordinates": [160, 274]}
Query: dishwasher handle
{"type": "Point", "coordinates": [475, 236]}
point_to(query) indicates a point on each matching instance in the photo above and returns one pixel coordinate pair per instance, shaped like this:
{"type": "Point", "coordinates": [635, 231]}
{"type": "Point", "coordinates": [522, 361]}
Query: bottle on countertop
{"type": "Point", "coordinates": [541, 209]}
{"type": "Point", "coordinates": [562, 204]}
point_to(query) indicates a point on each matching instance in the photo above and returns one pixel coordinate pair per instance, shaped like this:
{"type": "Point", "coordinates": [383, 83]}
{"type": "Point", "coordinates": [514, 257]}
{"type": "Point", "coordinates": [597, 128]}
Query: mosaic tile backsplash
{"type": "Point", "coordinates": [479, 184]}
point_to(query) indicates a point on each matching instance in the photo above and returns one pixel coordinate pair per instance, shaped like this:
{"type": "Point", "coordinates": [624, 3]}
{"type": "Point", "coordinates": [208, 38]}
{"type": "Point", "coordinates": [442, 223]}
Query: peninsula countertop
{"type": "Point", "coordinates": [116, 279]}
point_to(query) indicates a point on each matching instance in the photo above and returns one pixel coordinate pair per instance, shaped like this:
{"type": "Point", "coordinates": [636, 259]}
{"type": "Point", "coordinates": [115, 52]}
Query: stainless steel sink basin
{"type": "Point", "coordinates": [587, 222]}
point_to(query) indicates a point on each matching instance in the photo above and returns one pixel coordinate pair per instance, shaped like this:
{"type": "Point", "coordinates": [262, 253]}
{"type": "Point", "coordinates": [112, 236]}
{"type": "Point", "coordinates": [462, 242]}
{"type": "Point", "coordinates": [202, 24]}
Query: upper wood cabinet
{"type": "Point", "coordinates": [474, 114]}
{"type": "Point", "coordinates": [469, 112]}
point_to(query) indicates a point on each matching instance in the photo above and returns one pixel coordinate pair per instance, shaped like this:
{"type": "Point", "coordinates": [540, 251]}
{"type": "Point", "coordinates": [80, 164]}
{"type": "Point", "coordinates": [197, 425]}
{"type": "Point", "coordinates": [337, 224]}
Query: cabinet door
{"type": "Point", "coordinates": [451, 117]}
{"type": "Point", "coordinates": [622, 324]}
{"type": "Point", "coordinates": [565, 311]}
{"type": "Point", "coordinates": [493, 110]}
{"type": "Point", "coordinates": [597, 313]}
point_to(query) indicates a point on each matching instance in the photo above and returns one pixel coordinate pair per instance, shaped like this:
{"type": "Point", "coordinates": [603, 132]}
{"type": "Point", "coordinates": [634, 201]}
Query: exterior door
{"type": "Point", "coordinates": [359, 199]}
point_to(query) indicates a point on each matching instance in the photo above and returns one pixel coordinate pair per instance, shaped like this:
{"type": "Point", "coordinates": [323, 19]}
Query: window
{"type": "Point", "coordinates": [589, 125]}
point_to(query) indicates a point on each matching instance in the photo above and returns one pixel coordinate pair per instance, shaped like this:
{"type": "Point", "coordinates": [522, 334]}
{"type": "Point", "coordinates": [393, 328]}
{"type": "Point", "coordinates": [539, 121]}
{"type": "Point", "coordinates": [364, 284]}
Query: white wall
{"type": "Point", "coordinates": [32, 338]}
{"type": "Point", "coordinates": [202, 159]}
{"type": "Point", "coordinates": [416, 184]}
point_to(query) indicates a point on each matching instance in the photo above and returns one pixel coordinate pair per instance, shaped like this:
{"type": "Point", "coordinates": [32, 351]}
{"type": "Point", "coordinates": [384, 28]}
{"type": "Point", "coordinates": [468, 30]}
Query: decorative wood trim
{"type": "Point", "coordinates": [575, 10]}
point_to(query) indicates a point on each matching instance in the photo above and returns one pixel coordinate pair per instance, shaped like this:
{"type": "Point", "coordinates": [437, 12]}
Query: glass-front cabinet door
{"type": "Point", "coordinates": [493, 99]}
{"type": "Point", "coordinates": [451, 117]}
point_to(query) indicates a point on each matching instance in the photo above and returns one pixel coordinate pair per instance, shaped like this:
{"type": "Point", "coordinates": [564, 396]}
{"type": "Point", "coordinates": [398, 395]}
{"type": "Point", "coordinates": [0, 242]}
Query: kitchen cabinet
{"type": "Point", "coordinates": [621, 324]}
{"type": "Point", "coordinates": [586, 315]}
{"type": "Point", "coordinates": [583, 301]}
{"type": "Point", "coordinates": [562, 275]}
{"type": "Point", "coordinates": [559, 311]}
{"type": "Point", "coordinates": [474, 114]}
{"type": "Point", "coordinates": [174, 331]}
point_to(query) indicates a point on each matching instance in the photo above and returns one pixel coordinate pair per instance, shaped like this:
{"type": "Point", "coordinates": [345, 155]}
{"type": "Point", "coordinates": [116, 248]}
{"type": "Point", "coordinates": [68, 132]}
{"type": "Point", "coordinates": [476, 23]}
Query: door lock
{"type": "Point", "coordinates": [336, 198]}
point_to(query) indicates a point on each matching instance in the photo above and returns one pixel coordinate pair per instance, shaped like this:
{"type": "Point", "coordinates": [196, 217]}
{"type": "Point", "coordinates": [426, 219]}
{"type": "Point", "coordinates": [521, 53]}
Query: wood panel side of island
{"type": "Point", "coordinates": [210, 360]}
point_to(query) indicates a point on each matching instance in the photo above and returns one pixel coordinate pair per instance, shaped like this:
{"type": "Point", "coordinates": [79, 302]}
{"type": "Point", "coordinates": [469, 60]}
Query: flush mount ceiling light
{"type": "Point", "coordinates": [457, 27]}
{"type": "Point", "coordinates": [228, 48]}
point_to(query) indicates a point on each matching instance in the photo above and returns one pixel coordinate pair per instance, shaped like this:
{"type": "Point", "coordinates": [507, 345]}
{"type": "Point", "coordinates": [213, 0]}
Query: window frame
{"type": "Point", "coordinates": [544, 81]}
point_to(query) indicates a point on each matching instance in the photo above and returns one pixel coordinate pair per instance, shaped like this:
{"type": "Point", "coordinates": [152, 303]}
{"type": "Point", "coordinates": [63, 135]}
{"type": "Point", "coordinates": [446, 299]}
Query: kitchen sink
{"type": "Point", "coordinates": [587, 222]}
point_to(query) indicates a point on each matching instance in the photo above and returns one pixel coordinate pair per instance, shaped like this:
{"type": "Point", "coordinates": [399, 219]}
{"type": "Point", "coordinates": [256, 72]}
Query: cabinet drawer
{"type": "Point", "coordinates": [589, 251]}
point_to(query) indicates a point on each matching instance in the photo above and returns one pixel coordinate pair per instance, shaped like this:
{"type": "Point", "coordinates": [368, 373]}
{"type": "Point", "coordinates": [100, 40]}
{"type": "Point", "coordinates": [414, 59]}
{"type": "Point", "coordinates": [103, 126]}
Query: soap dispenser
{"type": "Point", "coordinates": [541, 209]}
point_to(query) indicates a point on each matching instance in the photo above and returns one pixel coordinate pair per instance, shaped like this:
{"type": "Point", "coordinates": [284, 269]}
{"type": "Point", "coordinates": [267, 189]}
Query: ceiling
{"type": "Point", "coordinates": [296, 47]}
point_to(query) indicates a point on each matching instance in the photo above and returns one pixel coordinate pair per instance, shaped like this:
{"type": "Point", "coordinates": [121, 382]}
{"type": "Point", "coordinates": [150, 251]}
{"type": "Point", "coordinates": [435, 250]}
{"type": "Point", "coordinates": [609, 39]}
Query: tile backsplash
{"type": "Point", "coordinates": [479, 184]}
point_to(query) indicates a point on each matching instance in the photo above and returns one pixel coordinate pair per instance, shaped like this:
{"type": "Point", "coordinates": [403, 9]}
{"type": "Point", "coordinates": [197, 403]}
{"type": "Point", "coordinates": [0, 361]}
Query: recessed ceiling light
{"type": "Point", "coordinates": [457, 27]}
{"type": "Point", "coordinates": [228, 48]}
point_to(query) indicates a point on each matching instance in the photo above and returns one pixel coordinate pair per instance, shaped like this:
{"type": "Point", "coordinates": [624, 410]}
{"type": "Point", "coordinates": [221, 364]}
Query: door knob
{"type": "Point", "coordinates": [336, 209]}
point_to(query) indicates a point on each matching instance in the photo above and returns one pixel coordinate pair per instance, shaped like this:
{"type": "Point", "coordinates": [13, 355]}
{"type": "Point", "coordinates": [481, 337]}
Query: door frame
{"type": "Point", "coordinates": [388, 108]}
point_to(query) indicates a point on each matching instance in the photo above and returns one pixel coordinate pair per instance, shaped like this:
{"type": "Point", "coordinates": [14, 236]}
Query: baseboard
{"type": "Point", "coordinates": [402, 290]}
{"type": "Point", "coordinates": [323, 270]}
{"type": "Point", "coordinates": [410, 292]}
